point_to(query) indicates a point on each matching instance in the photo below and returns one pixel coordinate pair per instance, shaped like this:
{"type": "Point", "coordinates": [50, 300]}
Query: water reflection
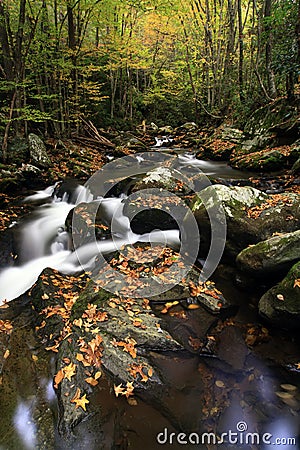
{"type": "Point", "coordinates": [24, 424]}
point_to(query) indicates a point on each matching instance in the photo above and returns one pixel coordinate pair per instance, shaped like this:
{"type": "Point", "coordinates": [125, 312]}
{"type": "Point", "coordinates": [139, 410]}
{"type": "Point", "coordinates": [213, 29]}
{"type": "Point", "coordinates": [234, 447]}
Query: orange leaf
{"type": "Point", "coordinates": [58, 378]}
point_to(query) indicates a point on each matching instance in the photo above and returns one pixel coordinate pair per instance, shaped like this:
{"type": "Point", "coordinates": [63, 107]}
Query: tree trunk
{"type": "Point", "coordinates": [269, 69]}
{"type": "Point", "coordinates": [241, 52]}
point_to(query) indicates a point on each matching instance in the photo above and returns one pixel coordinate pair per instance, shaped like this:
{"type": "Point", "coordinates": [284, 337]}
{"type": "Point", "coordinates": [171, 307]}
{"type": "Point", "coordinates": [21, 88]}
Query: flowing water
{"type": "Point", "coordinates": [45, 243]}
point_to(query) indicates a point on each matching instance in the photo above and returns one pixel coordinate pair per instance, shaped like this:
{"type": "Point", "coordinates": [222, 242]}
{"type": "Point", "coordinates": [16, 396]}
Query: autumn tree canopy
{"type": "Point", "coordinates": [120, 62]}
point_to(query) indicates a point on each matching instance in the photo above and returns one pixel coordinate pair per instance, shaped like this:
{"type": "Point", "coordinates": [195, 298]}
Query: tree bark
{"type": "Point", "coordinates": [269, 69]}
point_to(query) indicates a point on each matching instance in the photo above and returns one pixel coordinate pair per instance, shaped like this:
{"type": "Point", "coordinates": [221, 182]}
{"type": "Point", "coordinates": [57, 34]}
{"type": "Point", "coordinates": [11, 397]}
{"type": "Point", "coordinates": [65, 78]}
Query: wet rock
{"type": "Point", "coordinates": [26, 171]}
{"type": "Point", "coordinates": [229, 203]}
{"type": "Point", "coordinates": [229, 338]}
{"type": "Point", "coordinates": [38, 153]}
{"type": "Point", "coordinates": [261, 161]}
{"type": "Point", "coordinates": [161, 178]}
{"type": "Point", "coordinates": [296, 167]}
{"type": "Point", "coordinates": [7, 248]}
{"type": "Point", "coordinates": [251, 216]}
{"type": "Point", "coordinates": [153, 211]}
{"type": "Point", "coordinates": [281, 304]}
{"type": "Point", "coordinates": [86, 223]}
{"type": "Point", "coordinates": [273, 255]}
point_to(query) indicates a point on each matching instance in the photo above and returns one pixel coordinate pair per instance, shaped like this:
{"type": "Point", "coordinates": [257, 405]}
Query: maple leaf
{"type": "Point", "coordinates": [80, 402]}
{"type": "Point", "coordinates": [129, 389]}
{"type": "Point", "coordinates": [69, 371]}
{"type": "Point", "coordinates": [119, 390]}
{"type": "Point", "coordinates": [297, 283]}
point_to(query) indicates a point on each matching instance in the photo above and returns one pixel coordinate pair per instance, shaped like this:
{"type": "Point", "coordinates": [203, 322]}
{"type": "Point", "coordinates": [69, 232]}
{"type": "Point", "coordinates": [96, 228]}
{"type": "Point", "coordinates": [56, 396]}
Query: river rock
{"type": "Point", "coordinates": [261, 161]}
{"type": "Point", "coordinates": [273, 255]}
{"type": "Point", "coordinates": [281, 304]}
{"type": "Point", "coordinates": [189, 126]}
{"type": "Point", "coordinates": [160, 178]}
{"type": "Point", "coordinates": [278, 116]}
{"type": "Point", "coordinates": [296, 167]}
{"type": "Point", "coordinates": [85, 223]}
{"type": "Point", "coordinates": [38, 153]}
{"type": "Point", "coordinates": [233, 202]}
{"type": "Point", "coordinates": [251, 216]}
{"type": "Point", "coordinates": [222, 143]}
{"type": "Point", "coordinates": [7, 248]}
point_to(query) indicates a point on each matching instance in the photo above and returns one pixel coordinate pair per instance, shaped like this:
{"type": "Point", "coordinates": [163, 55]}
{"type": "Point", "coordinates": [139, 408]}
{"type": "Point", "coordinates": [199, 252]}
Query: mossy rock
{"type": "Point", "coordinates": [271, 256]}
{"type": "Point", "coordinates": [251, 216]}
{"type": "Point", "coordinates": [281, 304]}
{"type": "Point", "coordinates": [262, 161]}
{"type": "Point", "coordinates": [279, 115]}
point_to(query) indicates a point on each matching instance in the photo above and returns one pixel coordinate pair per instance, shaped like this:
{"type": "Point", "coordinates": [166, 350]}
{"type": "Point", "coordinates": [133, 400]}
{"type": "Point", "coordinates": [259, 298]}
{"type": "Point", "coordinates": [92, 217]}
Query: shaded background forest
{"type": "Point", "coordinates": [121, 62]}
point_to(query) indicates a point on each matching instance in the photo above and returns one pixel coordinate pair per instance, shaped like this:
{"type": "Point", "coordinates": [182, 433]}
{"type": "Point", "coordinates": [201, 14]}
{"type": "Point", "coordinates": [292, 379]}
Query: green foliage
{"type": "Point", "coordinates": [119, 62]}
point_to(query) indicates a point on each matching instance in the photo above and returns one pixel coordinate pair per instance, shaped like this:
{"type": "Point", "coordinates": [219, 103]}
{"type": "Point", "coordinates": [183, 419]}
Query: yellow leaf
{"type": "Point", "coordinates": [119, 390]}
{"type": "Point", "coordinates": [80, 402]}
{"type": "Point", "coordinates": [78, 322]}
{"type": "Point", "coordinates": [45, 297]}
{"type": "Point", "coordinates": [69, 371]}
{"type": "Point", "coordinates": [98, 375]}
{"type": "Point", "coordinates": [91, 381]}
{"type": "Point", "coordinates": [6, 354]}
{"type": "Point", "coordinates": [297, 283]}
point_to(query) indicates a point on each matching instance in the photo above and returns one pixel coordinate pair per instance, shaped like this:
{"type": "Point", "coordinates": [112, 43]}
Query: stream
{"type": "Point", "coordinates": [200, 390]}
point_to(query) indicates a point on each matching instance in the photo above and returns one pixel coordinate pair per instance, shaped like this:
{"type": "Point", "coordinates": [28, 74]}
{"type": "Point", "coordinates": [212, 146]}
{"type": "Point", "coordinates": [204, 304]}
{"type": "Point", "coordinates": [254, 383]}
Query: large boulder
{"type": "Point", "coordinates": [96, 333]}
{"type": "Point", "coordinates": [281, 304]}
{"type": "Point", "coordinates": [261, 161]}
{"type": "Point", "coordinates": [38, 153]}
{"type": "Point", "coordinates": [278, 116]}
{"type": "Point", "coordinates": [273, 255]}
{"type": "Point", "coordinates": [251, 216]}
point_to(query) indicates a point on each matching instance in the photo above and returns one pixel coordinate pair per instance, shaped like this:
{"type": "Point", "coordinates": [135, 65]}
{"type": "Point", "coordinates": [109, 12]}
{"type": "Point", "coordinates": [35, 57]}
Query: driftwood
{"type": "Point", "coordinates": [94, 138]}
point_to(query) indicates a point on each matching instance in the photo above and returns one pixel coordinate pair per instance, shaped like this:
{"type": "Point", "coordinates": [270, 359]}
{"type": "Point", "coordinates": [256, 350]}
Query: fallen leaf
{"type": "Point", "coordinates": [6, 354]}
{"type": "Point", "coordinates": [69, 371]}
{"type": "Point", "coordinates": [58, 378]}
{"type": "Point", "coordinates": [80, 402]}
{"type": "Point", "coordinates": [91, 381]}
{"type": "Point", "coordinates": [297, 283]}
{"type": "Point", "coordinates": [119, 390]}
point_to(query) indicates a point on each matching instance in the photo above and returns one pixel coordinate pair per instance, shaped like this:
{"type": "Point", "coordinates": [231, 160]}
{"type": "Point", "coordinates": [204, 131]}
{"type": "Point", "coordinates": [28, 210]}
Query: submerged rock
{"type": "Point", "coordinates": [281, 304]}
{"type": "Point", "coordinates": [273, 255]}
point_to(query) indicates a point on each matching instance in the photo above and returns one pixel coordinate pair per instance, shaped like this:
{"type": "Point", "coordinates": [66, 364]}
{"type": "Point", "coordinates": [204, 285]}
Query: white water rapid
{"type": "Point", "coordinates": [45, 243]}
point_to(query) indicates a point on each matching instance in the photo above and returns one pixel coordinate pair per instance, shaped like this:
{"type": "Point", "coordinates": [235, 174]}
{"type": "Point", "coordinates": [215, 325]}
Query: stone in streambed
{"type": "Point", "coordinates": [281, 304]}
{"type": "Point", "coordinates": [251, 216]}
{"type": "Point", "coordinates": [270, 256]}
